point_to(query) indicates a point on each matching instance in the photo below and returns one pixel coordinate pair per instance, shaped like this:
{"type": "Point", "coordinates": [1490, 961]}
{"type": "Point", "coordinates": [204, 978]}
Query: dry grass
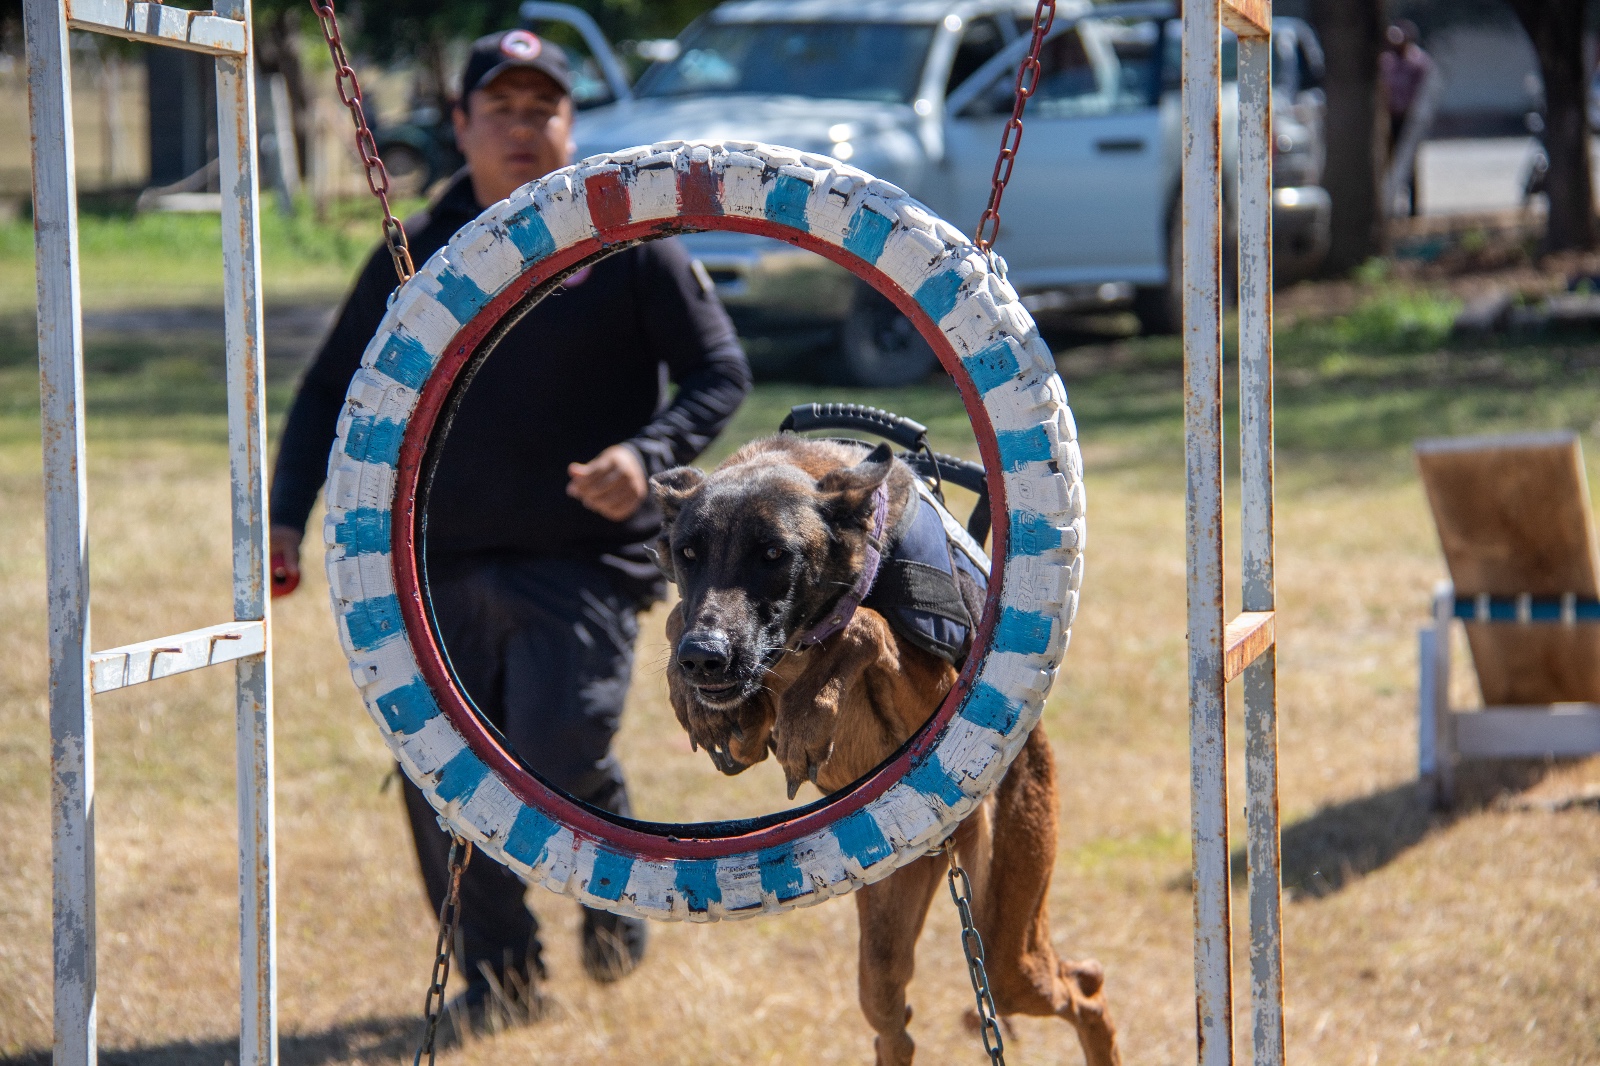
{"type": "Point", "coordinates": [1410, 938]}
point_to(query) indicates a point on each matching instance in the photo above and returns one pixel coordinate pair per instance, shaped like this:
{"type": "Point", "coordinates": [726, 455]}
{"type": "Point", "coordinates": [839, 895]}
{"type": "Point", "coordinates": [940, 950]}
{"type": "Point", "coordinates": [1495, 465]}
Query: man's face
{"type": "Point", "coordinates": [516, 128]}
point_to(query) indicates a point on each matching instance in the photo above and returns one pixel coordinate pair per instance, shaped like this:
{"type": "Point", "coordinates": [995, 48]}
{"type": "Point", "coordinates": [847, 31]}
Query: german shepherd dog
{"type": "Point", "coordinates": [762, 549]}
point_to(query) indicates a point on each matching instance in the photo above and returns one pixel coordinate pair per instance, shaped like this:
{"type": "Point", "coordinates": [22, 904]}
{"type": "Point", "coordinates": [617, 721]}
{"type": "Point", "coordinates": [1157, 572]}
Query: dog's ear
{"type": "Point", "coordinates": [848, 491]}
{"type": "Point", "coordinates": [674, 488]}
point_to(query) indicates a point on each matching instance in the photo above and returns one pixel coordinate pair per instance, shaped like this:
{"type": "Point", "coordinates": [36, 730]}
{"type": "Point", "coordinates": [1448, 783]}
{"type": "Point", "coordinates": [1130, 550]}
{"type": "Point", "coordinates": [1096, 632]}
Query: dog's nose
{"type": "Point", "coordinates": [704, 654]}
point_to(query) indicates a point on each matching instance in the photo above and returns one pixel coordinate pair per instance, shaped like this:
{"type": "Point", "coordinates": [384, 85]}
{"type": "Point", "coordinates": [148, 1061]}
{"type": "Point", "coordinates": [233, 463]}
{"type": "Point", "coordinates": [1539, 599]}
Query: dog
{"type": "Point", "coordinates": [767, 552]}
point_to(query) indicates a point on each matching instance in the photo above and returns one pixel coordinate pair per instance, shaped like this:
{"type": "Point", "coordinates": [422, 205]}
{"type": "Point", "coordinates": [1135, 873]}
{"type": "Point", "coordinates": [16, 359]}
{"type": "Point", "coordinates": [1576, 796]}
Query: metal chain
{"type": "Point", "coordinates": [394, 234]}
{"type": "Point", "coordinates": [449, 917]}
{"type": "Point", "coordinates": [1011, 139]}
{"type": "Point", "coordinates": [972, 947]}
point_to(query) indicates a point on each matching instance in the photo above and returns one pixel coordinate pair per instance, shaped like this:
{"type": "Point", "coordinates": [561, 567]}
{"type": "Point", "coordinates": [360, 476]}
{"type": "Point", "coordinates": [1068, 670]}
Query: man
{"type": "Point", "coordinates": [1403, 70]}
{"type": "Point", "coordinates": [539, 512]}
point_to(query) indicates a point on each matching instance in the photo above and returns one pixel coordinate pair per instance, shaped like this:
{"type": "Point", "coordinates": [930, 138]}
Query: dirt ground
{"type": "Point", "coordinates": [1410, 937]}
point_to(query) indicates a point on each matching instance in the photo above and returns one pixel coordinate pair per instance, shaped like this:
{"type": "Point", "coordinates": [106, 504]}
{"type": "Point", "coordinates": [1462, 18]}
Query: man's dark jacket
{"type": "Point", "coordinates": [588, 367]}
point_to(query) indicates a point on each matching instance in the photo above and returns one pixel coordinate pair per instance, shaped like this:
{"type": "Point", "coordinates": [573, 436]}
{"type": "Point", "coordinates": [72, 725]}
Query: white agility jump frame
{"type": "Point", "coordinates": [76, 674]}
{"type": "Point", "coordinates": [1220, 651]}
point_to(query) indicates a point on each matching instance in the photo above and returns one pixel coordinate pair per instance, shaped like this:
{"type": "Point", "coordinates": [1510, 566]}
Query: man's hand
{"type": "Point", "coordinates": [285, 564]}
{"type": "Point", "coordinates": [612, 484]}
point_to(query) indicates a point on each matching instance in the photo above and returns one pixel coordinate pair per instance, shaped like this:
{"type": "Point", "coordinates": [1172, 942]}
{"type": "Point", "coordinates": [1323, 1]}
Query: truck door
{"type": "Point", "coordinates": [1085, 201]}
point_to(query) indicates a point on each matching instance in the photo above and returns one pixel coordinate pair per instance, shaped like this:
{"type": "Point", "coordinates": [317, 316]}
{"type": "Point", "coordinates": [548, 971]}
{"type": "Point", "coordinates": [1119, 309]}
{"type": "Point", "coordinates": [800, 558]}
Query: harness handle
{"type": "Point", "coordinates": [909, 434]}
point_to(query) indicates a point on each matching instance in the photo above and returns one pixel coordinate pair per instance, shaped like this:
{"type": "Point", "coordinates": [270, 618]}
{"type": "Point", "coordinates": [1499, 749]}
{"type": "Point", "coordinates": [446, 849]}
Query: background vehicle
{"type": "Point", "coordinates": [917, 92]}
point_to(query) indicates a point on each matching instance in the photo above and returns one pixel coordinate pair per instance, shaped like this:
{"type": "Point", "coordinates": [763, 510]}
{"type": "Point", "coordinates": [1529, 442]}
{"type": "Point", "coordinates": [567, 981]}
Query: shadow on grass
{"type": "Point", "coordinates": [371, 1040]}
{"type": "Point", "coordinates": [1342, 843]}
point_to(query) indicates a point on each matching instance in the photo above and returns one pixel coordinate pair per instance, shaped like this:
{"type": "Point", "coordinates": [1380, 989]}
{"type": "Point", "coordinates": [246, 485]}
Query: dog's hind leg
{"type": "Point", "coordinates": [1025, 974]}
{"type": "Point", "coordinates": [890, 914]}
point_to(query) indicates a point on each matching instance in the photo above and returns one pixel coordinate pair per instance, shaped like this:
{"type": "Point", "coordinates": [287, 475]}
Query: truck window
{"type": "Point", "coordinates": [981, 41]}
{"type": "Point", "coordinates": [1074, 82]}
{"type": "Point", "coordinates": [876, 61]}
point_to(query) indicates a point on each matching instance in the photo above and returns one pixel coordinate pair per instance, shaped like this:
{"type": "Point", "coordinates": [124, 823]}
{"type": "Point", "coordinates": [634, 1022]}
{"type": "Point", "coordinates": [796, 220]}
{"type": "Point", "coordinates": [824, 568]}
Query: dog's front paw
{"type": "Point", "coordinates": [803, 744]}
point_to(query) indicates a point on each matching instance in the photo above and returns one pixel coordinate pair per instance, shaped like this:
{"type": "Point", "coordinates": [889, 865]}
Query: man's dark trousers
{"type": "Point", "coordinates": [545, 649]}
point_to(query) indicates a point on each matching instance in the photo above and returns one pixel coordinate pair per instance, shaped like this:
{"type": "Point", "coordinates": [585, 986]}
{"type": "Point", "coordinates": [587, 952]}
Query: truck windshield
{"type": "Point", "coordinates": [877, 61]}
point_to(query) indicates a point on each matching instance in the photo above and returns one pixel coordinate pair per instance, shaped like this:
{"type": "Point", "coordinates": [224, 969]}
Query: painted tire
{"type": "Point", "coordinates": [517, 250]}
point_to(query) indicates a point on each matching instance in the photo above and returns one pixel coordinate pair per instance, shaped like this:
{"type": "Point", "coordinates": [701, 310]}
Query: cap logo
{"type": "Point", "coordinates": [520, 45]}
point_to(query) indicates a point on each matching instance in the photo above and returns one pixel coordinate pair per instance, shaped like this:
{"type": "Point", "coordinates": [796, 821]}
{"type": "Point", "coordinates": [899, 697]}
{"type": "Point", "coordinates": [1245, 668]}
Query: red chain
{"type": "Point", "coordinates": [1011, 139]}
{"type": "Point", "coordinates": [394, 234]}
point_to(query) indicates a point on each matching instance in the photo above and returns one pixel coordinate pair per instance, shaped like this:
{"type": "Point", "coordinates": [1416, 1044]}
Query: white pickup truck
{"type": "Point", "coordinates": [917, 92]}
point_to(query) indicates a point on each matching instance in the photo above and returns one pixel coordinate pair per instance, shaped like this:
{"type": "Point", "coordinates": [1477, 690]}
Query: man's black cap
{"type": "Point", "coordinates": [497, 53]}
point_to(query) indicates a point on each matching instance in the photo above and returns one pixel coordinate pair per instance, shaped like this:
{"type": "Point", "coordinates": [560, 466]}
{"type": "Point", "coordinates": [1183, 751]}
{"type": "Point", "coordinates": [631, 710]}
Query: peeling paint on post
{"type": "Point", "coordinates": [247, 448]}
{"type": "Point", "coordinates": [1202, 358]}
{"type": "Point", "coordinates": [1256, 535]}
{"type": "Point", "coordinates": [66, 532]}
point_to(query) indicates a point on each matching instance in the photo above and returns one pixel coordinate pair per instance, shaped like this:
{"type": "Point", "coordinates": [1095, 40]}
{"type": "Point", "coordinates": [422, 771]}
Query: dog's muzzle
{"type": "Point", "coordinates": [705, 659]}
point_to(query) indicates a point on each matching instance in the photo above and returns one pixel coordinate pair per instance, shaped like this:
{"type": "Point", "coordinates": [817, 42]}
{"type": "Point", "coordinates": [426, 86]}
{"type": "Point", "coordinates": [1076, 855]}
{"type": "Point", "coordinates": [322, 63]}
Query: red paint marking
{"type": "Point", "coordinates": [699, 190]}
{"type": "Point", "coordinates": [430, 658]}
{"type": "Point", "coordinates": [609, 205]}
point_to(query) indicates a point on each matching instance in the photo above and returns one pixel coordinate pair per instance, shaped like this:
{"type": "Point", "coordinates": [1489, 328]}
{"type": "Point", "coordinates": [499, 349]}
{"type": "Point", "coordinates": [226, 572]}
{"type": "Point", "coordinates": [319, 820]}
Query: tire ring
{"type": "Point", "coordinates": [519, 249]}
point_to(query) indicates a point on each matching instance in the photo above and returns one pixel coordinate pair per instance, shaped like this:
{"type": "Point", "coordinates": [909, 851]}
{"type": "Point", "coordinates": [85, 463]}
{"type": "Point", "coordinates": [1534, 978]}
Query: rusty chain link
{"type": "Point", "coordinates": [449, 916]}
{"type": "Point", "coordinates": [972, 948]}
{"type": "Point", "coordinates": [394, 234]}
{"type": "Point", "coordinates": [1011, 139]}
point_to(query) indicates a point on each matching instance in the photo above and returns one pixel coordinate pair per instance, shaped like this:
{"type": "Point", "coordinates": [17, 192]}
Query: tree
{"type": "Point", "coordinates": [1556, 29]}
{"type": "Point", "coordinates": [1356, 126]}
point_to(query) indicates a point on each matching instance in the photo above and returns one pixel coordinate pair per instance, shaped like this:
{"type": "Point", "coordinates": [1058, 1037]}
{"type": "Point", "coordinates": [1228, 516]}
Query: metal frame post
{"type": "Point", "coordinates": [55, 237]}
{"type": "Point", "coordinates": [1220, 651]}
{"type": "Point", "coordinates": [75, 674]}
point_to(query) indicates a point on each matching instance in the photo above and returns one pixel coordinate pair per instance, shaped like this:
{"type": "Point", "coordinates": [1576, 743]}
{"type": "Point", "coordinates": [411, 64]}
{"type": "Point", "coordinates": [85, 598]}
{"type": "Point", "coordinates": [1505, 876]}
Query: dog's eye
{"type": "Point", "coordinates": [687, 553]}
{"type": "Point", "coordinates": [772, 555]}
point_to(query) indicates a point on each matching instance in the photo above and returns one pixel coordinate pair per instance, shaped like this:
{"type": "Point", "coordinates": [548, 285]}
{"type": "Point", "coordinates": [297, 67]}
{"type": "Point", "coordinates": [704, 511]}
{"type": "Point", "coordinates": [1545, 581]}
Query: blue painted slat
{"type": "Point", "coordinates": [374, 622]}
{"type": "Point", "coordinates": [781, 874]}
{"type": "Point", "coordinates": [929, 778]}
{"type": "Point", "coordinates": [405, 359]}
{"type": "Point", "coordinates": [993, 366]}
{"type": "Point", "coordinates": [461, 776]}
{"type": "Point", "coordinates": [786, 202]}
{"type": "Point", "coordinates": [991, 708]}
{"type": "Point", "coordinates": [1031, 534]}
{"type": "Point", "coordinates": [867, 233]}
{"type": "Point", "coordinates": [364, 530]}
{"type": "Point", "coordinates": [529, 834]}
{"type": "Point", "coordinates": [610, 874]}
{"type": "Point", "coordinates": [1541, 609]}
{"type": "Point", "coordinates": [374, 440]}
{"type": "Point", "coordinates": [408, 708]}
{"type": "Point", "coordinates": [531, 236]}
{"type": "Point", "coordinates": [1019, 446]}
{"type": "Point", "coordinates": [938, 294]}
{"type": "Point", "coordinates": [860, 839]}
{"type": "Point", "coordinates": [1026, 632]}
{"type": "Point", "coordinates": [695, 881]}
{"type": "Point", "coordinates": [460, 295]}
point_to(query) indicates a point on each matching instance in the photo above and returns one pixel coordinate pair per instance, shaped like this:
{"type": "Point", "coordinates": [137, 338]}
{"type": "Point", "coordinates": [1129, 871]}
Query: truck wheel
{"type": "Point", "coordinates": [879, 347]}
{"type": "Point", "coordinates": [1160, 309]}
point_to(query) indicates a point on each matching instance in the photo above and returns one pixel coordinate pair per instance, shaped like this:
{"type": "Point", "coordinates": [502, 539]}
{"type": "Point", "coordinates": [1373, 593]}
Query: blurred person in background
{"type": "Point", "coordinates": [540, 511]}
{"type": "Point", "coordinates": [1403, 68]}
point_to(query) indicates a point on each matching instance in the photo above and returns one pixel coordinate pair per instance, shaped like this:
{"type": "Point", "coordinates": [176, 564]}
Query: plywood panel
{"type": "Point", "coordinates": [1513, 516]}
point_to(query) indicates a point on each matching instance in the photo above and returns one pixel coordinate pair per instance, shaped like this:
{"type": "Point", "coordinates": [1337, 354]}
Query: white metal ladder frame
{"type": "Point", "coordinates": [76, 673]}
{"type": "Point", "coordinates": [1220, 651]}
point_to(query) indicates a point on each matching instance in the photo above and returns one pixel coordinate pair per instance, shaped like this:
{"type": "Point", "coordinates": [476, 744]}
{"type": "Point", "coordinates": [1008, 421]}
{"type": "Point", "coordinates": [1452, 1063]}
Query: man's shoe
{"type": "Point", "coordinates": [613, 944]}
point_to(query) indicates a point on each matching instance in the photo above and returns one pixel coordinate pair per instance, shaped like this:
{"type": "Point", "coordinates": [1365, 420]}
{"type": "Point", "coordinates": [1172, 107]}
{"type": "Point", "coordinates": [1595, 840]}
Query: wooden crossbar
{"type": "Point", "coordinates": [1245, 638]}
{"type": "Point", "coordinates": [1248, 18]}
{"type": "Point", "coordinates": [134, 664]}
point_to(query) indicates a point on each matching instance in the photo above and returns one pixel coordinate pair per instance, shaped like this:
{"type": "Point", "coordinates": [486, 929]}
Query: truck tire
{"type": "Point", "coordinates": [879, 347]}
{"type": "Point", "coordinates": [1160, 308]}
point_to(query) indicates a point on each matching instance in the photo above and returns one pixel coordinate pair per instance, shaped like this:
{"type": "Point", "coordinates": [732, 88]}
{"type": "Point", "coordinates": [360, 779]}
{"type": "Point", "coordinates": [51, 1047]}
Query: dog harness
{"type": "Point", "coordinates": [929, 581]}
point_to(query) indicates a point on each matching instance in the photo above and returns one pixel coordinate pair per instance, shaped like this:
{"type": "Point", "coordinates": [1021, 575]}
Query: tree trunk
{"type": "Point", "coordinates": [1555, 28]}
{"type": "Point", "coordinates": [1356, 127]}
{"type": "Point", "coordinates": [278, 51]}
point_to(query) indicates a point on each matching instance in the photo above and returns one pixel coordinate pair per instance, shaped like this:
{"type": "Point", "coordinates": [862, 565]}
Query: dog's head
{"type": "Point", "coordinates": [760, 549]}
